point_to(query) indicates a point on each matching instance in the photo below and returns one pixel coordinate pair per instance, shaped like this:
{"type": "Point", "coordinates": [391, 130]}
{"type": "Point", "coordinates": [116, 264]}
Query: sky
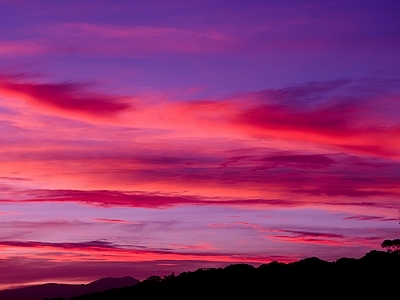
{"type": "Point", "coordinates": [142, 138]}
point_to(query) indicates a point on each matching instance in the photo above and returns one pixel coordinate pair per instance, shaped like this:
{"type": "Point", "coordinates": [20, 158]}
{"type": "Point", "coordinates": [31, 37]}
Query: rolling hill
{"type": "Point", "coordinates": [54, 290]}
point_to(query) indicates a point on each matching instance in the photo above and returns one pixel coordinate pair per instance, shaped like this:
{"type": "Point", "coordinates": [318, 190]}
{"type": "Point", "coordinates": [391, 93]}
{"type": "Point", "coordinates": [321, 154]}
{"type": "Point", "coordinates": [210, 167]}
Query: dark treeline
{"type": "Point", "coordinates": [377, 273]}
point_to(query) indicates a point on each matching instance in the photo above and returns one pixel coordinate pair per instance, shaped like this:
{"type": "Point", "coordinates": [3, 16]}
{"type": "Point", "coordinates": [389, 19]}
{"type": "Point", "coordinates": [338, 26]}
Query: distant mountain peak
{"type": "Point", "coordinates": [54, 290]}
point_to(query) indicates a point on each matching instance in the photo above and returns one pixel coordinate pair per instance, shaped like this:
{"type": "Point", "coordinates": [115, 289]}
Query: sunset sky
{"type": "Point", "coordinates": [149, 137]}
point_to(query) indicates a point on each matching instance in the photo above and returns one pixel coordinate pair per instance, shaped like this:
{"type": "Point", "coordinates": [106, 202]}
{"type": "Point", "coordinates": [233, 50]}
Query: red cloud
{"type": "Point", "coordinates": [63, 98]}
{"type": "Point", "coordinates": [136, 199]}
{"type": "Point", "coordinates": [111, 198]}
{"type": "Point", "coordinates": [117, 221]}
{"type": "Point", "coordinates": [347, 115]}
{"type": "Point", "coordinates": [327, 126]}
{"type": "Point", "coordinates": [351, 115]}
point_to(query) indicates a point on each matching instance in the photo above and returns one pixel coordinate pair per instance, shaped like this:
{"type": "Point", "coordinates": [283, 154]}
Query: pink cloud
{"type": "Point", "coordinates": [139, 199]}
{"type": "Point", "coordinates": [310, 161]}
{"type": "Point", "coordinates": [349, 115]}
{"type": "Point", "coordinates": [353, 191]}
{"type": "Point", "coordinates": [273, 35]}
{"type": "Point", "coordinates": [330, 239]}
{"type": "Point", "coordinates": [116, 221]}
{"type": "Point", "coordinates": [325, 126]}
{"type": "Point", "coordinates": [217, 180]}
{"type": "Point", "coordinates": [313, 234]}
{"type": "Point", "coordinates": [8, 213]}
{"type": "Point", "coordinates": [108, 252]}
{"type": "Point", "coordinates": [321, 126]}
{"type": "Point", "coordinates": [53, 223]}
{"type": "Point", "coordinates": [138, 40]}
{"type": "Point", "coordinates": [67, 98]}
{"type": "Point", "coordinates": [32, 244]}
{"type": "Point", "coordinates": [21, 48]}
{"type": "Point", "coordinates": [164, 201]}
{"type": "Point", "coordinates": [287, 184]}
{"type": "Point", "coordinates": [336, 121]}
{"type": "Point", "coordinates": [14, 178]}
{"type": "Point", "coordinates": [197, 247]}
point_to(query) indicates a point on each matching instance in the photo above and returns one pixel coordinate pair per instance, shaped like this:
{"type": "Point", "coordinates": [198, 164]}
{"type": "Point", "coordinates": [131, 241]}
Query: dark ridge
{"type": "Point", "coordinates": [64, 291]}
{"type": "Point", "coordinates": [374, 274]}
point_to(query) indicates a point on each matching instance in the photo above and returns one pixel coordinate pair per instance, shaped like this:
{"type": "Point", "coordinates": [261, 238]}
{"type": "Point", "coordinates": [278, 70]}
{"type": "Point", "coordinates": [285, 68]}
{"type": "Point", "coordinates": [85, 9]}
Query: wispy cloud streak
{"type": "Point", "coordinates": [62, 98]}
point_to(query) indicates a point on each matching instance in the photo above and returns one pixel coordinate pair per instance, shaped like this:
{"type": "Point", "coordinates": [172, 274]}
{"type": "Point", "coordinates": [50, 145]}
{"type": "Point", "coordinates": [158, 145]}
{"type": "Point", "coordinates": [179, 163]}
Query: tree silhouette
{"type": "Point", "coordinates": [154, 278]}
{"type": "Point", "coordinates": [391, 245]}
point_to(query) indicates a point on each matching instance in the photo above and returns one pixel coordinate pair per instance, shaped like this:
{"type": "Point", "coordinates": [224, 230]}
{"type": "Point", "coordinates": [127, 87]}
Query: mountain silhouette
{"type": "Point", "coordinates": [371, 276]}
{"type": "Point", "coordinates": [375, 274]}
{"type": "Point", "coordinates": [64, 291]}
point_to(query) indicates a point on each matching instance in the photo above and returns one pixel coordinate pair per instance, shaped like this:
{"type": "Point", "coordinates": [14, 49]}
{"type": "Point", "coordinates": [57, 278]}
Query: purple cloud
{"type": "Point", "coordinates": [370, 218]}
{"type": "Point", "coordinates": [310, 161]}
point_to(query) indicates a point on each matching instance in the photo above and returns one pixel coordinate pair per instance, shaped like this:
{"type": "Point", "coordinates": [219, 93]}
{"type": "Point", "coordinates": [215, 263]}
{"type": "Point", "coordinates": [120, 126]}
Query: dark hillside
{"type": "Point", "coordinates": [374, 274]}
{"type": "Point", "coordinates": [49, 290]}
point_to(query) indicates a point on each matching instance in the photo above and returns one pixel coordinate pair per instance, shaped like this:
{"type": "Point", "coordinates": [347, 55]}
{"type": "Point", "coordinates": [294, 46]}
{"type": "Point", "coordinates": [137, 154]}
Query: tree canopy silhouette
{"type": "Point", "coordinates": [391, 245]}
{"type": "Point", "coordinates": [355, 278]}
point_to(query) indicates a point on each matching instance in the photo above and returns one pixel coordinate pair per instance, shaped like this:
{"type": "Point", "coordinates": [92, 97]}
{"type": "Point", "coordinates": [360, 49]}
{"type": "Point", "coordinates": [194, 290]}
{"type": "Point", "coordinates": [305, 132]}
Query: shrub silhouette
{"type": "Point", "coordinates": [391, 245]}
